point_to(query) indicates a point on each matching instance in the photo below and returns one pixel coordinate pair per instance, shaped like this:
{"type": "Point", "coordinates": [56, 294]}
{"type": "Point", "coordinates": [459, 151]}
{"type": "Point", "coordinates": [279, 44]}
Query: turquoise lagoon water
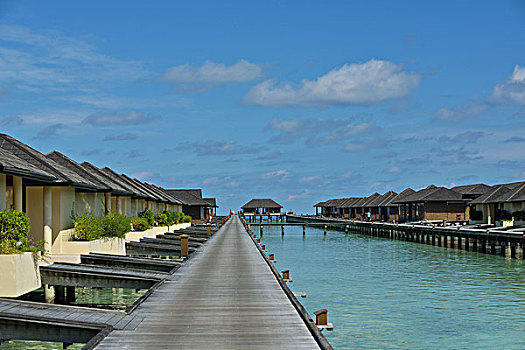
{"type": "Point", "coordinates": [383, 294]}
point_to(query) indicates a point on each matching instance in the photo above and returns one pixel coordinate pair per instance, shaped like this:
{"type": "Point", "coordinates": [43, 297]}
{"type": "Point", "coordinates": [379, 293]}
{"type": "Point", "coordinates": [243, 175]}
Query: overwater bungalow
{"type": "Point", "coordinates": [48, 204]}
{"type": "Point", "coordinates": [262, 207]}
{"type": "Point", "coordinates": [434, 204]}
{"type": "Point", "coordinates": [502, 202]}
{"type": "Point", "coordinates": [192, 203]}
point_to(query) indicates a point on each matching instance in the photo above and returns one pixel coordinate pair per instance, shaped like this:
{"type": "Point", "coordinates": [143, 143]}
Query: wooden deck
{"type": "Point", "coordinates": [224, 297]}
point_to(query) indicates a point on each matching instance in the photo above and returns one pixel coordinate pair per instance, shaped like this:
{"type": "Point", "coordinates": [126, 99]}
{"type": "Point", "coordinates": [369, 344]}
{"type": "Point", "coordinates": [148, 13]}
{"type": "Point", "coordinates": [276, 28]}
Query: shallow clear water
{"type": "Point", "coordinates": [383, 294]}
{"type": "Point", "coordinates": [36, 345]}
{"type": "Point", "coordinates": [101, 298]}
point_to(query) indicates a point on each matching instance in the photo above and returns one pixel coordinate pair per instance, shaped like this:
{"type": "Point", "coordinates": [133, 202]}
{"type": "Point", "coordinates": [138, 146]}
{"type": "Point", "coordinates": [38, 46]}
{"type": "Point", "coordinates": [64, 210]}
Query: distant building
{"type": "Point", "coordinates": [263, 207]}
{"type": "Point", "coordinates": [192, 203]}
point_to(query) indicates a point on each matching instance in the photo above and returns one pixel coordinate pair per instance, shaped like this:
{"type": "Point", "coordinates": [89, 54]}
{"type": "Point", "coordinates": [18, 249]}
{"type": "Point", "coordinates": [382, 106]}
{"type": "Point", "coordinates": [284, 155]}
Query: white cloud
{"type": "Point", "coordinates": [309, 178]}
{"type": "Point", "coordinates": [51, 61]}
{"type": "Point", "coordinates": [132, 117]}
{"type": "Point", "coordinates": [317, 131]}
{"type": "Point", "coordinates": [393, 170]}
{"type": "Point", "coordinates": [352, 84]}
{"type": "Point", "coordinates": [304, 194]}
{"type": "Point", "coordinates": [212, 74]}
{"type": "Point", "coordinates": [461, 112]}
{"type": "Point", "coordinates": [145, 175]}
{"type": "Point", "coordinates": [278, 174]}
{"type": "Point", "coordinates": [218, 148]}
{"type": "Point", "coordinates": [512, 90]}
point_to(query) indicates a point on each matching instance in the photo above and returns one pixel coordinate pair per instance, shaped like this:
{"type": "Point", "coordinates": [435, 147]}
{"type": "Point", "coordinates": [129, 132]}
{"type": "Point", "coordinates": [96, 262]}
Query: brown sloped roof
{"type": "Point", "coordinates": [432, 194]}
{"type": "Point", "coordinates": [136, 192]}
{"type": "Point", "coordinates": [142, 188]}
{"type": "Point", "coordinates": [169, 198]}
{"type": "Point", "coordinates": [319, 204]}
{"type": "Point", "coordinates": [163, 190]}
{"type": "Point", "coordinates": [503, 194]}
{"type": "Point", "coordinates": [477, 189]}
{"type": "Point", "coordinates": [12, 165]}
{"type": "Point", "coordinates": [261, 203]}
{"type": "Point", "coordinates": [187, 197]}
{"type": "Point", "coordinates": [359, 202]}
{"type": "Point", "coordinates": [516, 194]}
{"type": "Point", "coordinates": [39, 161]}
{"type": "Point", "coordinates": [101, 177]}
{"type": "Point", "coordinates": [399, 196]}
{"type": "Point", "coordinates": [347, 202]}
{"type": "Point", "coordinates": [212, 201]}
{"type": "Point", "coordinates": [70, 164]}
{"type": "Point", "coordinates": [386, 198]}
{"type": "Point", "coordinates": [370, 200]}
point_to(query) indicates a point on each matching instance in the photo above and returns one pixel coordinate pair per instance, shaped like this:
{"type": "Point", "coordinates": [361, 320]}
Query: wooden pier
{"type": "Point", "coordinates": [224, 297]}
{"type": "Point", "coordinates": [505, 244]}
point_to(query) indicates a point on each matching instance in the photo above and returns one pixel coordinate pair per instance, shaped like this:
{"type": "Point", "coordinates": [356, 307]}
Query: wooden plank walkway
{"type": "Point", "coordinates": [224, 297]}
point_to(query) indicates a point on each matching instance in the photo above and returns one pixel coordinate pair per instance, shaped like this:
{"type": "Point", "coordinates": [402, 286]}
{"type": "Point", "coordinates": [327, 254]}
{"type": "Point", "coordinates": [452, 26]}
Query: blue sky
{"type": "Point", "coordinates": [297, 101]}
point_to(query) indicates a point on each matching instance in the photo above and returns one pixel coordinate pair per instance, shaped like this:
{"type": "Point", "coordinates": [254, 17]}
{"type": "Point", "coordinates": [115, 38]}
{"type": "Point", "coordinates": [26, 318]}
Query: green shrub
{"type": "Point", "coordinates": [519, 215]}
{"type": "Point", "coordinates": [186, 218]}
{"type": "Point", "coordinates": [148, 215]}
{"type": "Point", "coordinates": [178, 216]}
{"type": "Point", "coordinates": [115, 225]}
{"type": "Point", "coordinates": [140, 224]}
{"type": "Point", "coordinates": [162, 219]}
{"type": "Point", "coordinates": [14, 228]}
{"type": "Point", "coordinates": [171, 217]}
{"type": "Point", "coordinates": [88, 227]}
{"type": "Point", "coordinates": [476, 215]}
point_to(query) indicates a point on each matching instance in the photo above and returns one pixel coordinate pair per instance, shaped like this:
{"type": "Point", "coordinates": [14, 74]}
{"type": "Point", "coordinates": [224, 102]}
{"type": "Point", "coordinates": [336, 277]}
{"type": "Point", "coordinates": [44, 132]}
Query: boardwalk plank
{"type": "Point", "coordinates": [226, 297]}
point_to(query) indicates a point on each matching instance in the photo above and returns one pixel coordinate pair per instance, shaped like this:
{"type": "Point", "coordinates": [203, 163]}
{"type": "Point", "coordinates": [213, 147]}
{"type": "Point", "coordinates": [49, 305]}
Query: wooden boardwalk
{"type": "Point", "coordinates": [224, 297]}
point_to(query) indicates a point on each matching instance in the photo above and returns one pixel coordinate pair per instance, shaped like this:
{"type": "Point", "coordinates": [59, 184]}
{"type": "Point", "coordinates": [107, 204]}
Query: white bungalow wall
{"type": "Point", "coordinates": [89, 202]}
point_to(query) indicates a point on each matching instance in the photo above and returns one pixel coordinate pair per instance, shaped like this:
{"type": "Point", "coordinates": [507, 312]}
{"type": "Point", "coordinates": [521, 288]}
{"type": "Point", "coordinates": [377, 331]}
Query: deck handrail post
{"type": "Point", "coordinates": [184, 245]}
{"type": "Point", "coordinates": [321, 317]}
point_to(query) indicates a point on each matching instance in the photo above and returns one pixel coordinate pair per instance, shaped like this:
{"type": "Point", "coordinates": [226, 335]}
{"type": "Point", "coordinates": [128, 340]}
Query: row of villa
{"type": "Point", "coordinates": [51, 189]}
{"type": "Point", "coordinates": [502, 204]}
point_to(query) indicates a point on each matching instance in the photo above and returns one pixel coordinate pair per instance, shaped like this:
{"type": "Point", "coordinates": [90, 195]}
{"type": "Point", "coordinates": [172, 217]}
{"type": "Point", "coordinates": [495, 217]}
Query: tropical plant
{"type": "Point", "coordinates": [186, 218]}
{"type": "Point", "coordinates": [88, 227]}
{"type": "Point", "coordinates": [14, 229]}
{"type": "Point", "coordinates": [115, 225]}
{"type": "Point", "coordinates": [148, 215]}
{"type": "Point", "coordinates": [140, 224]}
{"type": "Point", "coordinates": [162, 219]}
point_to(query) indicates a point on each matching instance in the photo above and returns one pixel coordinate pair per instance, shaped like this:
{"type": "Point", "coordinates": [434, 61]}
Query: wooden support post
{"type": "Point", "coordinates": [325, 227]}
{"type": "Point", "coordinates": [184, 245]}
{"type": "Point", "coordinates": [467, 243]}
{"type": "Point", "coordinates": [286, 275]}
{"type": "Point", "coordinates": [321, 317]}
{"type": "Point", "coordinates": [503, 247]}
{"type": "Point", "coordinates": [460, 242]}
{"type": "Point", "coordinates": [304, 230]}
{"type": "Point", "coordinates": [218, 225]}
{"type": "Point", "coordinates": [346, 228]}
{"type": "Point", "coordinates": [258, 241]}
{"type": "Point", "coordinates": [271, 257]}
{"type": "Point", "coordinates": [263, 247]}
{"type": "Point", "coordinates": [60, 294]}
{"type": "Point", "coordinates": [282, 230]}
{"type": "Point", "coordinates": [513, 250]}
{"type": "Point", "coordinates": [261, 230]}
{"type": "Point", "coordinates": [493, 248]}
{"type": "Point", "coordinates": [475, 245]}
{"type": "Point", "coordinates": [208, 233]}
{"type": "Point", "coordinates": [70, 295]}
